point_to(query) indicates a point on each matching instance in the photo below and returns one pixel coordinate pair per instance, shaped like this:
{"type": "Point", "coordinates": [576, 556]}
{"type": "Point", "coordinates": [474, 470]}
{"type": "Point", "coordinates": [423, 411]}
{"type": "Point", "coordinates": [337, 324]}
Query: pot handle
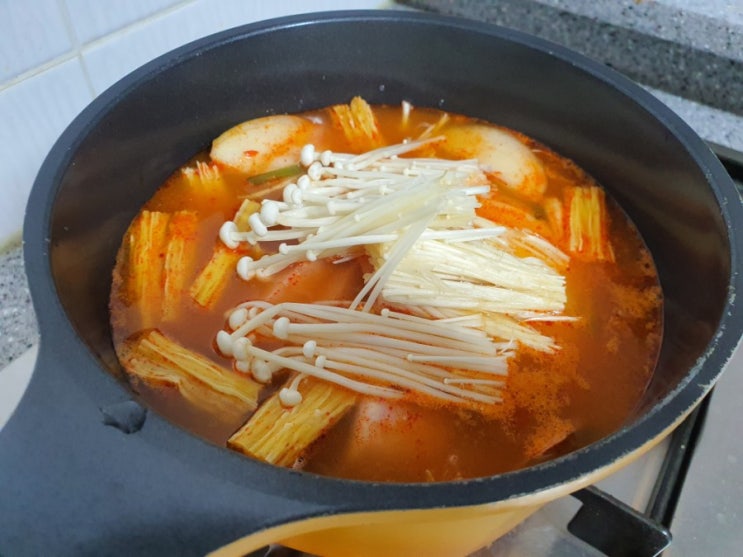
{"type": "Point", "coordinates": [71, 484]}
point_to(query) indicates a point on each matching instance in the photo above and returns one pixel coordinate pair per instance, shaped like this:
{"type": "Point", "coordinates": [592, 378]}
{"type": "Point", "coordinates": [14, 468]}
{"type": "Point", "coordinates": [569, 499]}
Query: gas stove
{"type": "Point", "coordinates": [683, 498]}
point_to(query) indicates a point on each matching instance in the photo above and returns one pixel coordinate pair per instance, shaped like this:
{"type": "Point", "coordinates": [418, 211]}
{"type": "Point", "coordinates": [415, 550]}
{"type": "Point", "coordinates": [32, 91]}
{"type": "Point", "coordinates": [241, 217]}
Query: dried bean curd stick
{"type": "Point", "coordinates": [358, 122]}
{"type": "Point", "coordinates": [156, 359]}
{"type": "Point", "coordinates": [279, 435]}
{"type": "Point", "coordinates": [588, 224]}
{"type": "Point", "coordinates": [147, 238]}
{"type": "Point", "coordinates": [208, 286]}
{"type": "Point", "coordinates": [179, 258]}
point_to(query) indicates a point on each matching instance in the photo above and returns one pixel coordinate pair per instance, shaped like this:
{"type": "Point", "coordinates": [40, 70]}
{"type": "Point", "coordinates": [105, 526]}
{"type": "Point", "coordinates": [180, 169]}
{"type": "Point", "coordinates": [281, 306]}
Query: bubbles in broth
{"type": "Point", "coordinates": [354, 288]}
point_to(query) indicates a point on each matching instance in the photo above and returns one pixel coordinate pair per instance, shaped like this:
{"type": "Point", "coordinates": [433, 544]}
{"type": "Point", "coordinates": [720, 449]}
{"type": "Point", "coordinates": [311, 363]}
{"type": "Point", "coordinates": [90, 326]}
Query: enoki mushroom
{"type": "Point", "coordinates": [414, 218]}
{"type": "Point", "coordinates": [385, 355]}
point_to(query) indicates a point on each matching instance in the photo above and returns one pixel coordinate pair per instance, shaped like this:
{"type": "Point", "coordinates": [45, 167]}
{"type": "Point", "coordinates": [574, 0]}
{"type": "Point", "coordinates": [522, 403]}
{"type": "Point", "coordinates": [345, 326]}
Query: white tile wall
{"type": "Point", "coordinates": [31, 33]}
{"type": "Point", "coordinates": [91, 19]}
{"type": "Point", "coordinates": [111, 59]}
{"type": "Point", "coordinates": [34, 112]}
{"type": "Point", "coordinates": [56, 55]}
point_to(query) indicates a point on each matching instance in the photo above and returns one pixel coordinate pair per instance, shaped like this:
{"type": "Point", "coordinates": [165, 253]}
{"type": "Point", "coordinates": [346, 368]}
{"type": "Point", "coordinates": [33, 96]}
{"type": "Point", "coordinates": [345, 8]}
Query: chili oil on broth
{"type": "Point", "coordinates": [553, 403]}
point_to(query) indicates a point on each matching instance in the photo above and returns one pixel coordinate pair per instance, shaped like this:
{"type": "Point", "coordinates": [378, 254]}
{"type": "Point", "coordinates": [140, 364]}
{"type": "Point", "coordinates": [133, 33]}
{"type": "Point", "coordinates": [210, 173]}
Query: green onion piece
{"type": "Point", "coordinates": [284, 172]}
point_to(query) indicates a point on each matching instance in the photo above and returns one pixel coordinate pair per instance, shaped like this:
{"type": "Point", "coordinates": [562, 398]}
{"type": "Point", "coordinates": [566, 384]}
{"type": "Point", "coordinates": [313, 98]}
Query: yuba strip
{"type": "Point", "coordinates": [211, 282]}
{"type": "Point", "coordinates": [203, 177]}
{"type": "Point", "coordinates": [247, 208]}
{"type": "Point", "coordinates": [588, 234]}
{"type": "Point", "coordinates": [358, 123]}
{"type": "Point", "coordinates": [279, 435]}
{"type": "Point", "coordinates": [158, 360]}
{"type": "Point", "coordinates": [147, 244]}
{"type": "Point", "coordinates": [179, 260]}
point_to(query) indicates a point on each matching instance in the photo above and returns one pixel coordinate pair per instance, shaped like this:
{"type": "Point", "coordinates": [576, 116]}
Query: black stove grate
{"type": "Point", "coordinates": [617, 530]}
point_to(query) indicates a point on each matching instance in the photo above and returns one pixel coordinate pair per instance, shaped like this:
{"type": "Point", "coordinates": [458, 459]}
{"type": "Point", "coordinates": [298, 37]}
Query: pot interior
{"type": "Point", "coordinates": [120, 149]}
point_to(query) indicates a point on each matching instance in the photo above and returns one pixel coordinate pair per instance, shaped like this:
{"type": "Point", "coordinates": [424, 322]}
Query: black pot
{"type": "Point", "coordinates": [70, 484]}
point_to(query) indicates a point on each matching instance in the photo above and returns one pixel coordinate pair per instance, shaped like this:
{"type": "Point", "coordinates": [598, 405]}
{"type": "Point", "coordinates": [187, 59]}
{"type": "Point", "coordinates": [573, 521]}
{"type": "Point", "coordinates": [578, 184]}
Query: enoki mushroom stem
{"type": "Point", "coordinates": [387, 355]}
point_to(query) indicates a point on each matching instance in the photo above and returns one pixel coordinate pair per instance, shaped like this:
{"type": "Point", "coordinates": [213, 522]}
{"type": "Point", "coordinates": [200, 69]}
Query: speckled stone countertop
{"type": "Point", "coordinates": [18, 331]}
{"type": "Point", "coordinates": [688, 53]}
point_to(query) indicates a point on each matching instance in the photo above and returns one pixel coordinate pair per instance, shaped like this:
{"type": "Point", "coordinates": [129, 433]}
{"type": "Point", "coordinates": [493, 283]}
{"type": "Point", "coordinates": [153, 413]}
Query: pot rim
{"type": "Point", "coordinates": [358, 495]}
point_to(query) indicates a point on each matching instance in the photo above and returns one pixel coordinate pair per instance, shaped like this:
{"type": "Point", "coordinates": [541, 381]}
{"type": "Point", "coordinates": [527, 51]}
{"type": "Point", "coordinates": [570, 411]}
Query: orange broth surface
{"type": "Point", "coordinates": [553, 403]}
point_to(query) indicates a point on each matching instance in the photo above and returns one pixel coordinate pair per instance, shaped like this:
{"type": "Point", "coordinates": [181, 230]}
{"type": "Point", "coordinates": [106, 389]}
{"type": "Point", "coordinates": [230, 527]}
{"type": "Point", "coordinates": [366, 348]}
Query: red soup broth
{"type": "Point", "coordinates": [553, 402]}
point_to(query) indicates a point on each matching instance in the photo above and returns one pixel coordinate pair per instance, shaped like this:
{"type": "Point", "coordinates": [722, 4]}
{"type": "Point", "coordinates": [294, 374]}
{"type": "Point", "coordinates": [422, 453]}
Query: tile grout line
{"type": "Point", "coordinates": [134, 25]}
{"type": "Point", "coordinates": [78, 49]}
{"type": "Point", "coordinates": [76, 46]}
{"type": "Point", "coordinates": [37, 70]}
